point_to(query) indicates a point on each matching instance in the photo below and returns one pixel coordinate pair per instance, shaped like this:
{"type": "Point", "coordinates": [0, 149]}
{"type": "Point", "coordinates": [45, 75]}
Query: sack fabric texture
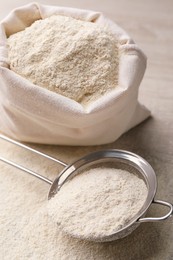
{"type": "Point", "coordinates": [34, 114]}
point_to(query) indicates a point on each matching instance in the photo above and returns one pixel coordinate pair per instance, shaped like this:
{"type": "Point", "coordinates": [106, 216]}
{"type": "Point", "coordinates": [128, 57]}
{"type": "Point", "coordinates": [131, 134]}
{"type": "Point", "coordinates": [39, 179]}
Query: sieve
{"type": "Point", "coordinates": [94, 159]}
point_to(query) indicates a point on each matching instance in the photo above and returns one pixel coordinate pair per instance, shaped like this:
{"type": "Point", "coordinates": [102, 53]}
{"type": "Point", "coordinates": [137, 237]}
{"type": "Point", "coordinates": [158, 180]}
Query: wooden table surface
{"type": "Point", "coordinates": [150, 24]}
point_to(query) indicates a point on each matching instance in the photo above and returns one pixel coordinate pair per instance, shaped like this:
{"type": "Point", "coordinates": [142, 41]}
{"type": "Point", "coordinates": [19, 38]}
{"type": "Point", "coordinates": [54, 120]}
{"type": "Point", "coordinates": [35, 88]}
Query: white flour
{"type": "Point", "coordinates": [74, 58]}
{"type": "Point", "coordinates": [98, 202]}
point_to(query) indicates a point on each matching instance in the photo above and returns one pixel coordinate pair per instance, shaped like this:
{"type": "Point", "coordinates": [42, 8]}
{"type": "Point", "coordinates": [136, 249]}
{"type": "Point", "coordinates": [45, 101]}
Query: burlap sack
{"type": "Point", "coordinates": [31, 113]}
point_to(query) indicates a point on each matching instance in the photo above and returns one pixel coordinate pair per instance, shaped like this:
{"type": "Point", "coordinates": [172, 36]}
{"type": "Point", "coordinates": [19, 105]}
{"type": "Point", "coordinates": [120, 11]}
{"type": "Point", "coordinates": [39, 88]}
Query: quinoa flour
{"type": "Point", "coordinates": [98, 202]}
{"type": "Point", "coordinates": [74, 58]}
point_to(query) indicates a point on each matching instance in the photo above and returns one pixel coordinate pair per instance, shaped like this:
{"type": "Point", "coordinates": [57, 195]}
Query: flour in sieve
{"type": "Point", "coordinates": [74, 58]}
{"type": "Point", "coordinates": [98, 202]}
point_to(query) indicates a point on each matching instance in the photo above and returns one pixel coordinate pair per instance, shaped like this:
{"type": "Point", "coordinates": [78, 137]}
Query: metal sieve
{"type": "Point", "coordinates": [113, 156]}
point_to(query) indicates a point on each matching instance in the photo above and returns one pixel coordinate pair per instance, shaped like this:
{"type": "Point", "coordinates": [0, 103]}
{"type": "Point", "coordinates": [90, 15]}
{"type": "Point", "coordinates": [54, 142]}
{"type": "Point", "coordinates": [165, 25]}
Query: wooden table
{"type": "Point", "coordinates": [150, 24]}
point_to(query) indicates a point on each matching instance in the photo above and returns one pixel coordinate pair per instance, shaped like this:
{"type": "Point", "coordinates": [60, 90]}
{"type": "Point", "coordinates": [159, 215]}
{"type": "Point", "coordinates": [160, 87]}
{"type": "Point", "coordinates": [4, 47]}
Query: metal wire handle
{"type": "Point", "coordinates": [155, 219]}
{"type": "Point", "coordinates": [5, 138]}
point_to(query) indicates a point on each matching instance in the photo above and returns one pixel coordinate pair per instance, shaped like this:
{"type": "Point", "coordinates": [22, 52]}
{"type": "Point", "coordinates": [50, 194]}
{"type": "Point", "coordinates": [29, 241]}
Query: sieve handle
{"type": "Point", "coordinates": [3, 137]}
{"type": "Point", "coordinates": [155, 219]}
{"type": "Point", "coordinates": [20, 167]}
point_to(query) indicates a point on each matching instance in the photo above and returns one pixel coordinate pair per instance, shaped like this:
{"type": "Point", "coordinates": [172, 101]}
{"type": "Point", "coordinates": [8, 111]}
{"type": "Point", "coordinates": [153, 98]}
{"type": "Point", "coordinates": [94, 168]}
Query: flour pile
{"type": "Point", "coordinates": [98, 202]}
{"type": "Point", "coordinates": [74, 58]}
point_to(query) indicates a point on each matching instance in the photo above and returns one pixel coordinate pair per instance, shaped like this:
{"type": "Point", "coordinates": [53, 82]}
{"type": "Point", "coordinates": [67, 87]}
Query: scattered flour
{"type": "Point", "coordinates": [74, 58]}
{"type": "Point", "coordinates": [98, 202]}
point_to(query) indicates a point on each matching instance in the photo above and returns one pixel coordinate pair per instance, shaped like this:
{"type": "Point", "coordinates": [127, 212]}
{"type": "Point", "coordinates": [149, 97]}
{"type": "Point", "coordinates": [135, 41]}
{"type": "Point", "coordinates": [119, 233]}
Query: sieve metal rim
{"type": "Point", "coordinates": [136, 161]}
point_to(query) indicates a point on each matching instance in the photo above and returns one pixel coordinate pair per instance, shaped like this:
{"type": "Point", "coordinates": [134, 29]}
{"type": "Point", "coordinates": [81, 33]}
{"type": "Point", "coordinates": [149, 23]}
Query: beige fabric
{"type": "Point", "coordinates": [31, 113]}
